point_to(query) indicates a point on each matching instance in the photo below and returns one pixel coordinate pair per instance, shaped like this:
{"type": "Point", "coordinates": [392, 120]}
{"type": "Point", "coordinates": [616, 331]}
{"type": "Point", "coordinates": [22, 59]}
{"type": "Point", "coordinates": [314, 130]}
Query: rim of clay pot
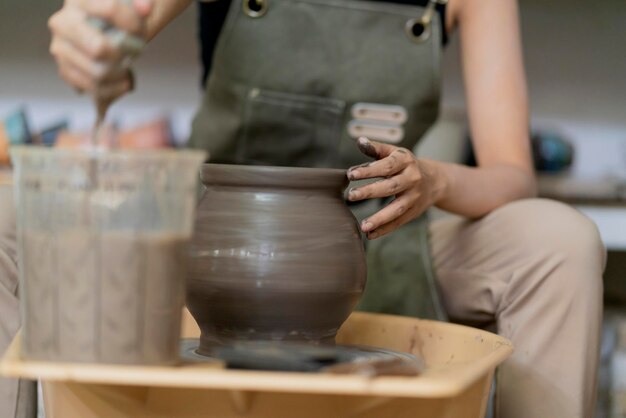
{"type": "Point", "coordinates": [270, 176]}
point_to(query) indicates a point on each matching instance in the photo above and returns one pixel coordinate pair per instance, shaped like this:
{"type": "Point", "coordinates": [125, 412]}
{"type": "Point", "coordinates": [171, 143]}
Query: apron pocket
{"type": "Point", "coordinates": [288, 129]}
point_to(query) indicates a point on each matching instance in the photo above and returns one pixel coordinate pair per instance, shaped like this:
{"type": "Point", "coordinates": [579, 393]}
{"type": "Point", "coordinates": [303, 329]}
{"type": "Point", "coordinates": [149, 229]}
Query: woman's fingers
{"type": "Point", "coordinates": [395, 209]}
{"type": "Point", "coordinates": [392, 164]}
{"type": "Point", "coordinates": [67, 52]}
{"type": "Point", "coordinates": [382, 188]}
{"type": "Point", "coordinates": [391, 161]}
{"type": "Point", "coordinates": [391, 226]}
{"type": "Point", "coordinates": [397, 213]}
{"type": "Point", "coordinates": [115, 12]}
{"type": "Point", "coordinates": [86, 57]}
{"type": "Point", "coordinates": [74, 76]}
{"type": "Point", "coordinates": [373, 149]}
{"type": "Point", "coordinates": [403, 176]}
{"type": "Point", "coordinates": [70, 25]}
{"type": "Point", "coordinates": [143, 7]}
{"type": "Point", "coordinates": [111, 87]}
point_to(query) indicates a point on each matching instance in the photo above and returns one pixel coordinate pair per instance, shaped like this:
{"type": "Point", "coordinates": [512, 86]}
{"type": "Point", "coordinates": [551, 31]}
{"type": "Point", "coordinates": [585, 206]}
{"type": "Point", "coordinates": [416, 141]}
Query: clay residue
{"type": "Point", "coordinates": [360, 166]}
{"type": "Point", "coordinates": [356, 167]}
{"type": "Point", "coordinates": [367, 147]}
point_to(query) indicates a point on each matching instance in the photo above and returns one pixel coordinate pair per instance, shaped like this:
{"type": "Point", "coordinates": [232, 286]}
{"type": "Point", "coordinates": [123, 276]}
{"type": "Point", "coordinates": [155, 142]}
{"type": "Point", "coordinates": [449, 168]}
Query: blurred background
{"type": "Point", "coordinates": [575, 56]}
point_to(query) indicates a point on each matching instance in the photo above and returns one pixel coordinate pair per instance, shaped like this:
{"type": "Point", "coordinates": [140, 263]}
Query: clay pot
{"type": "Point", "coordinates": [277, 255]}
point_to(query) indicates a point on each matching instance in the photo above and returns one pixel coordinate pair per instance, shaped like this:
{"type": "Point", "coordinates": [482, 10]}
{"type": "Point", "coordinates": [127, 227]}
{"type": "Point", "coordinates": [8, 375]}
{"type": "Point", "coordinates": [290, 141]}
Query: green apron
{"type": "Point", "coordinates": [294, 82]}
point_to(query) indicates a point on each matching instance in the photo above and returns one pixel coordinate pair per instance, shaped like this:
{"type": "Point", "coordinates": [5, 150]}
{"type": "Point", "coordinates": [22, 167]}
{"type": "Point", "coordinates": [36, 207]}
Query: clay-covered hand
{"type": "Point", "coordinates": [86, 58]}
{"type": "Point", "coordinates": [416, 185]}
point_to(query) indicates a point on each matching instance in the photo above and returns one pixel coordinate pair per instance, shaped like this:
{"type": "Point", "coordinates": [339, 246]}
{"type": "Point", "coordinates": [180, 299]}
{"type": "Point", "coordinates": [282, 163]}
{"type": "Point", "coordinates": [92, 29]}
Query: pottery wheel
{"type": "Point", "coordinates": [298, 357]}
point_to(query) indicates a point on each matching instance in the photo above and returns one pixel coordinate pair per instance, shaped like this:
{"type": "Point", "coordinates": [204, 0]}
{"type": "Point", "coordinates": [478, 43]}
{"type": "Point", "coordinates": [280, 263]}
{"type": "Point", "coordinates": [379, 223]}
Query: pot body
{"type": "Point", "coordinates": [277, 255]}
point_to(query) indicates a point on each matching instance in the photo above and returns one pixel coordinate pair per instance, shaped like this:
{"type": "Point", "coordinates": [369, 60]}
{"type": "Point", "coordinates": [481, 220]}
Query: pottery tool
{"type": "Point", "coordinates": [130, 46]}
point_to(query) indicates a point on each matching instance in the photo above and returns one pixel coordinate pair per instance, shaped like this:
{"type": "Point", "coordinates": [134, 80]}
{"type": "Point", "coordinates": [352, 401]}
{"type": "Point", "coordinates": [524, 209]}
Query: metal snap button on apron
{"type": "Point", "coordinates": [254, 8]}
{"type": "Point", "coordinates": [418, 29]}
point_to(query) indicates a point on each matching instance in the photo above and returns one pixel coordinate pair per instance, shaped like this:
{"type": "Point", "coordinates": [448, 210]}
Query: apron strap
{"type": "Point", "coordinates": [418, 29]}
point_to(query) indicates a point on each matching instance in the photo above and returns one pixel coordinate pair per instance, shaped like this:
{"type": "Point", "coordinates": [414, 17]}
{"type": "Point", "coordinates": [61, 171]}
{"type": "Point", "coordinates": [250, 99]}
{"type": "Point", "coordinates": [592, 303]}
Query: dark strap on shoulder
{"type": "Point", "coordinates": [212, 14]}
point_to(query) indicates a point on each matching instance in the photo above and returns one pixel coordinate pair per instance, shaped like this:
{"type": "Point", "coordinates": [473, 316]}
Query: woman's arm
{"type": "Point", "coordinates": [497, 107]}
{"type": "Point", "coordinates": [498, 114]}
{"type": "Point", "coordinates": [164, 11]}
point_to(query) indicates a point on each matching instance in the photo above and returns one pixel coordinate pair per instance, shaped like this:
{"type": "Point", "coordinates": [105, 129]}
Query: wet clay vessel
{"type": "Point", "coordinates": [277, 255]}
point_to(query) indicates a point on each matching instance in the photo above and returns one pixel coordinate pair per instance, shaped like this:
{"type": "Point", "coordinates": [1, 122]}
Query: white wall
{"type": "Point", "coordinates": [575, 56]}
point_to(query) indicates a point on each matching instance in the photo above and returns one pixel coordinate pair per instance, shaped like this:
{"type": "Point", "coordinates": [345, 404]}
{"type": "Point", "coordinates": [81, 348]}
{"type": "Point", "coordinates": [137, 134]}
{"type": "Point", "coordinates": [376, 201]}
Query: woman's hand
{"type": "Point", "coordinates": [416, 185]}
{"type": "Point", "coordinates": [86, 58]}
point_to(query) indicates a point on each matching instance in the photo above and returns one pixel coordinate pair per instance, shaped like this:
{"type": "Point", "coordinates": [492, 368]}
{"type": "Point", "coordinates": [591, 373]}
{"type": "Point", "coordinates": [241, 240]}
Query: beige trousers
{"type": "Point", "coordinates": [18, 399]}
{"type": "Point", "coordinates": [533, 269]}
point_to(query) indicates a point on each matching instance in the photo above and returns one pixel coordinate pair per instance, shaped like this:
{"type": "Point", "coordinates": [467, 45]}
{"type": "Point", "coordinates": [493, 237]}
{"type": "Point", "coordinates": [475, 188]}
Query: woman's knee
{"type": "Point", "coordinates": [557, 251]}
{"type": "Point", "coordinates": [8, 246]}
{"type": "Point", "coordinates": [7, 223]}
{"type": "Point", "coordinates": [558, 232]}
